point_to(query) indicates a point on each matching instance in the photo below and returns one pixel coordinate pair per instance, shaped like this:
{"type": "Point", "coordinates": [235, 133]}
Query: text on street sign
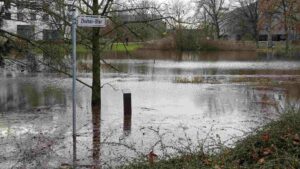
{"type": "Point", "coordinates": [70, 2]}
{"type": "Point", "coordinates": [91, 21]}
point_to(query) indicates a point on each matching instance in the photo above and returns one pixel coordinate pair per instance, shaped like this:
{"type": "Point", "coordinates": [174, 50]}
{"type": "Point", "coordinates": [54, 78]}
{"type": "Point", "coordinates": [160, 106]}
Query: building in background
{"type": "Point", "coordinates": [27, 19]}
{"type": "Point", "coordinates": [277, 23]}
{"type": "Point", "coordinates": [238, 26]}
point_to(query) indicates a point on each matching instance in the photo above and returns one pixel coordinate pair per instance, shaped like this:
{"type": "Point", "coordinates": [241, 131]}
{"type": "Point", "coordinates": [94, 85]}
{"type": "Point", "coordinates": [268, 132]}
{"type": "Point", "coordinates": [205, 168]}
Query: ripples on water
{"type": "Point", "coordinates": [185, 96]}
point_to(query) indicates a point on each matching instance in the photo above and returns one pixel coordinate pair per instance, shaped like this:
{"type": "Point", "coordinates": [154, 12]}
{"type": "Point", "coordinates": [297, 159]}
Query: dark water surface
{"type": "Point", "coordinates": [178, 101]}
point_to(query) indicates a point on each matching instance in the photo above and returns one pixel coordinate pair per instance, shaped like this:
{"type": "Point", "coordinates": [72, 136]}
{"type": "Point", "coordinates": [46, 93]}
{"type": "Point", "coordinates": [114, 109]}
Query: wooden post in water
{"type": "Point", "coordinates": [127, 112]}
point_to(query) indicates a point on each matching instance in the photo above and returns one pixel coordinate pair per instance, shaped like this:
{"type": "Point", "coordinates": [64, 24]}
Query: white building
{"type": "Point", "coordinates": [26, 18]}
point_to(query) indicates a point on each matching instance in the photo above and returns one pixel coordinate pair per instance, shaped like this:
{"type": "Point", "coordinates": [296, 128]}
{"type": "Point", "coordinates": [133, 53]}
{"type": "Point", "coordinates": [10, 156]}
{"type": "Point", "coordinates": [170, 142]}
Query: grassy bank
{"type": "Point", "coordinates": [279, 48]}
{"type": "Point", "coordinates": [276, 146]}
{"type": "Point", "coordinates": [120, 47]}
{"type": "Point", "coordinates": [115, 47]}
{"type": "Point", "coordinates": [81, 49]}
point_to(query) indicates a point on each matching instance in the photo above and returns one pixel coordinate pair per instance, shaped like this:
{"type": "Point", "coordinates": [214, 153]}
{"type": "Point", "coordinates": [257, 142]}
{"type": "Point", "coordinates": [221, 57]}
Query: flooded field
{"type": "Point", "coordinates": [179, 102]}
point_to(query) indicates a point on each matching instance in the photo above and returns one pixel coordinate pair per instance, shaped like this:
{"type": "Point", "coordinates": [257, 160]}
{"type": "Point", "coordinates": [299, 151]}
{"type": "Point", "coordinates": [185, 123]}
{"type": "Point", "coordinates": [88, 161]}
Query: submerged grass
{"type": "Point", "coordinates": [276, 146]}
{"type": "Point", "coordinates": [279, 48]}
{"type": "Point", "coordinates": [120, 47]}
{"type": "Point", "coordinates": [81, 49]}
{"type": "Point", "coordinates": [196, 79]}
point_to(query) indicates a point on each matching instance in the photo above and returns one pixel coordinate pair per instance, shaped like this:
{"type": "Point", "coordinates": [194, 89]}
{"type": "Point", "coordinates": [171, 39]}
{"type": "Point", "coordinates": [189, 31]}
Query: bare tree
{"type": "Point", "coordinates": [60, 20]}
{"type": "Point", "coordinates": [178, 10]}
{"type": "Point", "coordinates": [90, 37]}
{"type": "Point", "coordinates": [268, 10]}
{"type": "Point", "coordinates": [214, 13]}
{"type": "Point", "coordinates": [289, 10]}
{"type": "Point", "coordinates": [248, 11]}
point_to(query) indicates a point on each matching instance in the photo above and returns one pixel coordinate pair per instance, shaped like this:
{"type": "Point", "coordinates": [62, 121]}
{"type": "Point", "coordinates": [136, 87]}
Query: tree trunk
{"type": "Point", "coordinates": [269, 30]}
{"type": "Point", "coordinates": [1, 60]}
{"type": "Point", "coordinates": [96, 89]}
{"type": "Point", "coordinates": [257, 42]}
{"type": "Point", "coordinates": [96, 137]}
{"type": "Point", "coordinates": [270, 44]}
{"type": "Point", "coordinates": [217, 36]}
{"type": "Point", "coordinates": [286, 27]}
{"type": "Point", "coordinates": [256, 35]}
{"type": "Point", "coordinates": [287, 40]}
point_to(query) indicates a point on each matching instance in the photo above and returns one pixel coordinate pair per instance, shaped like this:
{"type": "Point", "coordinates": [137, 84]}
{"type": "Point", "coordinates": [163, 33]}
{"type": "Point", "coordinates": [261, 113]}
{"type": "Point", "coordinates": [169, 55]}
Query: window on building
{"type": "Point", "coordinates": [34, 5]}
{"type": "Point", "coordinates": [26, 31]}
{"type": "Point", "coordinates": [20, 16]}
{"type": "Point", "coordinates": [50, 35]}
{"type": "Point", "coordinates": [57, 19]}
{"type": "Point", "coordinates": [263, 37]}
{"type": "Point", "coordinates": [7, 4]}
{"type": "Point", "coordinates": [33, 16]}
{"type": "Point", "coordinates": [7, 15]}
{"type": "Point", "coordinates": [20, 5]}
{"type": "Point", "coordinates": [45, 17]}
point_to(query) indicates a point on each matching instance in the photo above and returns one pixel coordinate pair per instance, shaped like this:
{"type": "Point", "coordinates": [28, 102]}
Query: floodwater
{"type": "Point", "coordinates": [179, 102]}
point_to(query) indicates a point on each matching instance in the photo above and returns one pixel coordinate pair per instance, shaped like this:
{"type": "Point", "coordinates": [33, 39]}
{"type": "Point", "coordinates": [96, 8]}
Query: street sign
{"type": "Point", "coordinates": [83, 21]}
{"type": "Point", "coordinates": [91, 21]}
{"type": "Point", "coordinates": [70, 2]}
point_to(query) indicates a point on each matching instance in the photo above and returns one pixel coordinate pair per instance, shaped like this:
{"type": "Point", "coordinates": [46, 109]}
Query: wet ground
{"type": "Point", "coordinates": [179, 101]}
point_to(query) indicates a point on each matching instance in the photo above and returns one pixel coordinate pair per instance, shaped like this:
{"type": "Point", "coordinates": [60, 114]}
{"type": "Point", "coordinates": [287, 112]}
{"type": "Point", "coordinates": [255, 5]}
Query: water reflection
{"type": "Point", "coordinates": [188, 92]}
{"type": "Point", "coordinates": [152, 56]}
{"type": "Point", "coordinates": [17, 95]}
{"type": "Point", "coordinates": [96, 115]}
{"type": "Point", "coordinates": [201, 56]}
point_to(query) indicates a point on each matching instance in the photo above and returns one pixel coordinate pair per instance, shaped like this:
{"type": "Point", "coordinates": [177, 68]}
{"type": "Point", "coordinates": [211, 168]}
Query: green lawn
{"type": "Point", "coordinates": [120, 47]}
{"type": "Point", "coordinates": [116, 47]}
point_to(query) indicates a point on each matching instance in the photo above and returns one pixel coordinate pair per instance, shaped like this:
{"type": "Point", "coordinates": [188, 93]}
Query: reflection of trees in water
{"type": "Point", "coordinates": [15, 96]}
{"type": "Point", "coordinates": [96, 113]}
{"type": "Point", "coordinates": [212, 105]}
{"type": "Point", "coordinates": [292, 94]}
{"type": "Point", "coordinates": [203, 56]}
{"type": "Point", "coordinates": [36, 129]}
{"type": "Point", "coordinates": [269, 100]}
{"type": "Point", "coordinates": [216, 102]}
{"type": "Point", "coordinates": [260, 100]}
{"type": "Point", "coordinates": [274, 99]}
{"type": "Point", "coordinates": [36, 148]}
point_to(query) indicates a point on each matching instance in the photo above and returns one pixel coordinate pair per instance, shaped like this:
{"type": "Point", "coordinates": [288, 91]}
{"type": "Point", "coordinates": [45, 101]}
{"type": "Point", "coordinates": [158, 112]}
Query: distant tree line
{"type": "Point", "coordinates": [246, 19]}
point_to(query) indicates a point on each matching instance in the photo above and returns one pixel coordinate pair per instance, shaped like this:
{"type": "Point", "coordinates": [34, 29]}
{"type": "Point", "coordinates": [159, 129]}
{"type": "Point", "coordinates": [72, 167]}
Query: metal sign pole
{"type": "Point", "coordinates": [74, 22]}
{"type": "Point", "coordinates": [85, 21]}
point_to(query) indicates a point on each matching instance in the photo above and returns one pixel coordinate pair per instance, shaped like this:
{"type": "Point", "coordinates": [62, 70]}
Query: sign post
{"type": "Point", "coordinates": [82, 21]}
{"type": "Point", "coordinates": [73, 34]}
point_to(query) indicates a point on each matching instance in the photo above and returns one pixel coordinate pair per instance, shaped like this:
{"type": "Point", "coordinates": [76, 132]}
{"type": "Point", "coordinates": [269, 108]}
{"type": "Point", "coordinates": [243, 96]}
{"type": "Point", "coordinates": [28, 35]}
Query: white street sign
{"type": "Point", "coordinates": [91, 21]}
{"type": "Point", "coordinates": [70, 2]}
